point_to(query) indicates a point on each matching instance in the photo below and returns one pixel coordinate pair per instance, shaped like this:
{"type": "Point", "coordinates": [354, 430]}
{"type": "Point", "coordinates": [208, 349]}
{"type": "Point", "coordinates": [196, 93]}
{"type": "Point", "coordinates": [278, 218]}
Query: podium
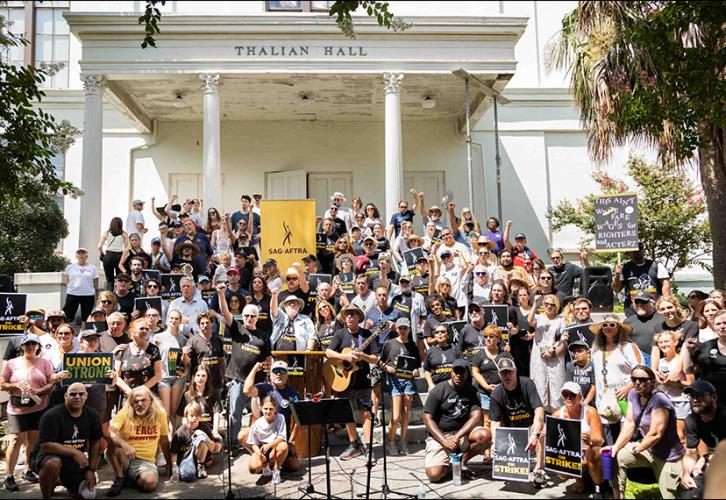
{"type": "Point", "coordinates": [305, 375]}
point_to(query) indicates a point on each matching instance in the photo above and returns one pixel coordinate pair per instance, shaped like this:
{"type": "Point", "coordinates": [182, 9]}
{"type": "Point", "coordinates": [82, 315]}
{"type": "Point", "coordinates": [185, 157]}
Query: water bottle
{"type": "Point", "coordinates": [174, 474]}
{"type": "Point", "coordinates": [421, 490]}
{"type": "Point", "coordinates": [664, 366]}
{"type": "Point", "coordinates": [456, 469]}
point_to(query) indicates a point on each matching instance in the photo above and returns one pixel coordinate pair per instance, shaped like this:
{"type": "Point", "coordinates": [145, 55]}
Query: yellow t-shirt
{"type": "Point", "coordinates": [142, 435]}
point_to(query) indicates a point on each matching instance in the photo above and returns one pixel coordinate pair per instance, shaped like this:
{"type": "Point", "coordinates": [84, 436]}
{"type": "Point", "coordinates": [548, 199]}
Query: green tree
{"type": "Point", "coordinates": [671, 208]}
{"type": "Point", "coordinates": [341, 9]}
{"type": "Point", "coordinates": [653, 73]}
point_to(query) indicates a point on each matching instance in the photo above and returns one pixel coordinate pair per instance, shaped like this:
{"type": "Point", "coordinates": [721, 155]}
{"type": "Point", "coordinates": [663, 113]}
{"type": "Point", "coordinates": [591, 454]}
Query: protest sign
{"type": "Point", "coordinates": [12, 306]}
{"type": "Point", "coordinates": [563, 446]}
{"type": "Point", "coordinates": [171, 285]}
{"type": "Point", "coordinates": [96, 326]}
{"type": "Point", "coordinates": [455, 328]}
{"type": "Point", "coordinates": [411, 256]}
{"type": "Point", "coordinates": [496, 315]}
{"type": "Point", "coordinates": [148, 274]}
{"type": "Point", "coordinates": [405, 365]}
{"type": "Point", "coordinates": [175, 366]}
{"type": "Point", "coordinates": [87, 368]}
{"type": "Point", "coordinates": [143, 304]}
{"type": "Point", "coordinates": [511, 462]}
{"type": "Point", "coordinates": [346, 283]}
{"type": "Point", "coordinates": [580, 333]}
{"type": "Point", "coordinates": [616, 222]}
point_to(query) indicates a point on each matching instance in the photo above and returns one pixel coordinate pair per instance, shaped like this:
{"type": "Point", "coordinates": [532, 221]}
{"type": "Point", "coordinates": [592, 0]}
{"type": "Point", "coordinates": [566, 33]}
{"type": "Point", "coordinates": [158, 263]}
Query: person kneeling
{"type": "Point", "coordinates": [135, 433]}
{"type": "Point", "coordinates": [67, 432]}
{"type": "Point", "coordinates": [452, 415]}
{"type": "Point", "coordinates": [191, 448]}
{"type": "Point", "coordinates": [267, 439]}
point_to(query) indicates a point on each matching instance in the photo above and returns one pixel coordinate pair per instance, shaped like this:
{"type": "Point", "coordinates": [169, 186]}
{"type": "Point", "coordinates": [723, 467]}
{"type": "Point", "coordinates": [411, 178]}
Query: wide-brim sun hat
{"type": "Point", "coordinates": [610, 318]}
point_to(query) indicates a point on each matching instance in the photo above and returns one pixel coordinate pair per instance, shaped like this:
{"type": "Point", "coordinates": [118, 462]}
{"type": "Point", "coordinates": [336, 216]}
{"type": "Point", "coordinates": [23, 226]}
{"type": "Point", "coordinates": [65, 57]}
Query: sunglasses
{"type": "Point", "coordinates": [403, 206]}
{"type": "Point", "coordinates": [441, 331]}
{"type": "Point", "coordinates": [152, 286]}
{"type": "Point", "coordinates": [545, 278]}
{"type": "Point", "coordinates": [609, 325]}
{"type": "Point", "coordinates": [249, 315]}
{"type": "Point", "coordinates": [642, 380]}
{"type": "Point", "coordinates": [291, 278]}
{"type": "Point", "coordinates": [77, 394]}
{"type": "Point", "coordinates": [569, 395]}
{"type": "Point", "coordinates": [447, 235]}
{"type": "Point", "coordinates": [279, 371]}
{"type": "Point", "coordinates": [480, 274]}
{"type": "Point", "coordinates": [490, 337]}
{"type": "Point", "coordinates": [35, 317]}
{"type": "Point", "coordinates": [484, 253]}
{"type": "Point", "coordinates": [549, 304]}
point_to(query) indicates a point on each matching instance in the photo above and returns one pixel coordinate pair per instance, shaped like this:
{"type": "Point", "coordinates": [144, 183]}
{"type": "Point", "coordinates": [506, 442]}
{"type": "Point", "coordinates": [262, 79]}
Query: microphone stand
{"type": "Point", "coordinates": [230, 495]}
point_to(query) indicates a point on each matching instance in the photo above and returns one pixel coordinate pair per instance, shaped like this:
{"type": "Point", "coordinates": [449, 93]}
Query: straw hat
{"type": "Point", "coordinates": [611, 318]}
{"type": "Point", "coordinates": [180, 247]}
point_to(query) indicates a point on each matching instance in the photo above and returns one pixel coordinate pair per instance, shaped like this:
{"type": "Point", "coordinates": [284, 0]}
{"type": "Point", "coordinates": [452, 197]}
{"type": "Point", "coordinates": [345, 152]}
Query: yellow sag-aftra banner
{"type": "Point", "coordinates": [287, 231]}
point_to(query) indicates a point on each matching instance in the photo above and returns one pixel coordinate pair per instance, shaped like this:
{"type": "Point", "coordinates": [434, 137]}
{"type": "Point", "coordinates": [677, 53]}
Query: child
{"type": "Point", "coordinates": [268, 441]}
{"type": "Point", "coordinates": [190, 446]}
{"type": "Point", "coordinates": [580, 370]}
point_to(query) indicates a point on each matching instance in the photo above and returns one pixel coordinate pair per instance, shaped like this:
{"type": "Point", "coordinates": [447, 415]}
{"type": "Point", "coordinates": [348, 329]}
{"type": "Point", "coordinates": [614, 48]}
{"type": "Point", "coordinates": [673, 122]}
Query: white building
{"type": "Point", "coordinates": [245, 96]}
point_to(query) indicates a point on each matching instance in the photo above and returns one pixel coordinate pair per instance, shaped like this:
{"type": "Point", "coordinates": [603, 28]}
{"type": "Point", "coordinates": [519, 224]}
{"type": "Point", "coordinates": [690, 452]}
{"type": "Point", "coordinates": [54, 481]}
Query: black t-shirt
{"type": "Point", "coordinates": [326, 251]}
{"type": "Point", "coordinates": [515, 408]}
{"type": "Point", "coordinates": [710, 365]}
{"type": "Point", "coordinates": [565, 276]}
{"type": "Point", "coordinates": [210, 405]}
{"type": "Point", "coordinates": [403, 304]}
{"type": "Point", "coordinates": [126, 304]}
{"type": "Point", "coordinates": [688, 327]}
{"type": "Point", "coordinates": [710, 433]}
{"type": "Point", "coordinates": [326, 333]}
{"type": "Point", "coordinates": [449, 408]}
{"type": "Point", "coordinates": [488, 367]}
{"type": "Point", "coordinates": [57, 425]}
{"type": "Point", "coordinates": [472, 341]}
{"type": "Point", "coordinates": [644, 330]}
{"type": "Point", "coordinates": [342, 339]}
{"type": "Point", "coordinates": [264, 322]}
{"type": "Point", "coordinates": [209, 353]}
{"type": "Point", "coordinates": [581, 375]}
{"type": "Point", "coordinates": [430, 324]}
{"type": "Point", "coordinates": [519, 346]}
{"type": "Point", "coordinates": [438, 362]}
{"type": "Point", "coordinates": [420, 284]}
{"type": "Point", "coordinates": [640, 278]}
{"type": "Point", "coordinates": [137, 369]}
{"type": "Point", "coordinates": [393, 348]}
{"type": "Point", "coordinates": [248, 348]}
{"type": "Point", "coordinates": [283, 397]}
{"type": "Point", "coordinates": [182, 442]}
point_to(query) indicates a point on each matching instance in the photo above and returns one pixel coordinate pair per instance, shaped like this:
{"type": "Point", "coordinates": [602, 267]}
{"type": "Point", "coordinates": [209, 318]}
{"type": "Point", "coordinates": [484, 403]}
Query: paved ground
{"type": "Point", "coordinates": [348, 479]}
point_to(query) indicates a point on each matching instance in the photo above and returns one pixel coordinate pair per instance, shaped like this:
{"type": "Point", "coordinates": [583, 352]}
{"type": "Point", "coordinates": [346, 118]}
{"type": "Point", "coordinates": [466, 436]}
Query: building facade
{"type": "Point", "coordinates": [269, 96]}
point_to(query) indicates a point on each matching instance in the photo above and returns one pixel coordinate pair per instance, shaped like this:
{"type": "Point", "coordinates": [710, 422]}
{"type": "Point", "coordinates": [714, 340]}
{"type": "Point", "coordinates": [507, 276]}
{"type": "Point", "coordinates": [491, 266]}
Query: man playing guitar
{"type": "Point", "coordinates": [359, 390]}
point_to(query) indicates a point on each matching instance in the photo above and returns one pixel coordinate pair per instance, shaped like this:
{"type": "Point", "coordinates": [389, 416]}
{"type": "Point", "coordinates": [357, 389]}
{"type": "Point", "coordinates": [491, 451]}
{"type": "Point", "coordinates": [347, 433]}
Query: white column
{"type": "Point", "coordinates": [92, 165]}
{"type": "Point", "coordinates": [211, 155]}
{"type": "Point", "coordinates": [394, 142]}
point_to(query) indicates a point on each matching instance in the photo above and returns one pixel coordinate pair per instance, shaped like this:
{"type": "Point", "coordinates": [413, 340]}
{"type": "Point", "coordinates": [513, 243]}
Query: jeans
{"type": "Point", "coordinates": [237, 402]}
{"type": "Point", "coordinates": [86, 303]}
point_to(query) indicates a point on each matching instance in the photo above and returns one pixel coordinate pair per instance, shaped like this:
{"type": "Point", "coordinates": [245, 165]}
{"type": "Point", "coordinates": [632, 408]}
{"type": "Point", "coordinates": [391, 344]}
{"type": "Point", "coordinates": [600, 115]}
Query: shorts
{"type": "Point", "coordinates": [401, 386]}
{"type": "Point", "coordinates": [361, 399]}
{"type": "Point", "coordinates": [683, 408]}
{"type": "Point", "coordinates": [437, 455]}
{"type": "Point", "coordinates": [484, 399]}
{"type": "Point", "coordinates": [135, 467]}
{"type": "Point", "coordinates": [25, 422]}
{"type": "Point", "coordinates": [71, 475]}
{"type": "Point", "coordinates": [168, 383]}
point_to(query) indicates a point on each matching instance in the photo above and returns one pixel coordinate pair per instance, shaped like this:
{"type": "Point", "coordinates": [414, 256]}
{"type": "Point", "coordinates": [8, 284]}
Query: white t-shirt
{"type": "Point", "coordinates": [80, 279]}
{"type": "Point", "coordinates": [464, 252]}
{"type": "Point", "coordinates": [134, 217]}
{"type": "Point", "coordinates": [263, 432]}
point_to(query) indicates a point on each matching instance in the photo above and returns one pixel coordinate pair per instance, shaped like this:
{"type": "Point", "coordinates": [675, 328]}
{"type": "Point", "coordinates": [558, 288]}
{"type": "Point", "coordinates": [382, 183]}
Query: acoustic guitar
{"type": "Point", "coordinates": [338, 373]}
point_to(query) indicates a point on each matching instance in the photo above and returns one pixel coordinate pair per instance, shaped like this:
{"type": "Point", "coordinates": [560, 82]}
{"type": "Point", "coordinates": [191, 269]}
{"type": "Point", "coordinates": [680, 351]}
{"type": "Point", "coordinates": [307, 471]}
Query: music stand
{"type": "Point", "coordinates": [322, 412]}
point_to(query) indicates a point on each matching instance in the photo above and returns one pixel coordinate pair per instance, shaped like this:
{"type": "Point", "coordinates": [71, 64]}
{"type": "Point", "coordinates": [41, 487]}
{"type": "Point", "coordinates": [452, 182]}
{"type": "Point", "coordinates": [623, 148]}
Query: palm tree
{"type": "Point", "coordinates": [653, 73]}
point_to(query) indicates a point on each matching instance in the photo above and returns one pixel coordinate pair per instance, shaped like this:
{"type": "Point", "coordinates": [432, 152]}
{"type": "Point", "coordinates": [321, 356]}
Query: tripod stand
{"type": "Point", "coordinates": [376, 376]}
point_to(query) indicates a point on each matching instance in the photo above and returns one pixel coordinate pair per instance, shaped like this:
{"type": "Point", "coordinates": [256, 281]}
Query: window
{"type": "Point", "coordinates": [298, 6]}
{"type": "Point", "coordinates": [52, 39]}
{"type": "Point", "coordinates": [59, 162]}
{"type": "Point", "coordinates": [14, 22]}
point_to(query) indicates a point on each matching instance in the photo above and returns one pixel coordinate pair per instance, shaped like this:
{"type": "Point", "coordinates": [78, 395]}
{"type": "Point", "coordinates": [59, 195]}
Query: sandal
{"type": "Point", "coordinates": [539, 479]}
{"type": "Point", "coordinates": [468, 474]}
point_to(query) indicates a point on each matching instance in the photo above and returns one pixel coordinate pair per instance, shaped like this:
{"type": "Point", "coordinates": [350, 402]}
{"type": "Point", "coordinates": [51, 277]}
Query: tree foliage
{"type": "Point", "coordinates": [342, 10]}
{"type": "Point", "coordinates": [671, 223]}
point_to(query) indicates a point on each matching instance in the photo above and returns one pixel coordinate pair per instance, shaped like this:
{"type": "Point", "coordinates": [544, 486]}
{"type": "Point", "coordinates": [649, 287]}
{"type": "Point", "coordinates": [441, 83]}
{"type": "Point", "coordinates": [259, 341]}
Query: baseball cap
{"type": "Point", "coordinates": [310, 258]}
{"type": "Point", "coordinates": [29, 337]}
{"type": "Point", "coordinates": [473, 306]}
{"type": "Point", "coordinates": [369, 238]}
{"type": "Point", "coordinates": [459, 363]}
{"type": "Point", "coordinates": [155, 241]}
{"type": "Point", "coordinates": [422, 258]}
{"type": "Point", "coordinates": [203, 278]}
{"type": "Point", "coordinates": [279, 364]}
{"type": "Point", "coordinates": [520, 236]}
{"type": "Point", "coordinates": [176, 223]}
{"type": "Point", "coordinates": [137, 202]}
{"type": "Point", "coordinates": [122, 277]}
{"type": "Point", "coordinates": [643, 297]}
{"type": "Point", "coordinates": [572, 387]}
{"type": "Point", "coordinates": [403, 322]}
{"type": "Point", "coordinates": [232, 270]}
{"type": "Point", "coordinates": [81, 249]}
{"type": "Point", "coordinates": [405, 277]}
{"type": "Point", "coordinates": [578, 343]}
{"type": "Point", "coordinates": [444, 252]}
{"type": "Point", "coordinates": [700, 387]}
{"type": "Point", "coordinates": [97, 310]}
{"type": "Point", "coordinates": [384, 256]}
{"type": "Point", "coordinates": [506, 364]}
{"type": "Point", "coordinates": [270, 262]}
{"type": "Point", "coordinates": [88, 333]}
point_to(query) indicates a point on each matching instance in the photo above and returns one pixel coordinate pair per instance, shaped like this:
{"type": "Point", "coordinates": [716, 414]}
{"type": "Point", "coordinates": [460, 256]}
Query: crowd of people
{"type": "Point", "coordinates": [646, 388]}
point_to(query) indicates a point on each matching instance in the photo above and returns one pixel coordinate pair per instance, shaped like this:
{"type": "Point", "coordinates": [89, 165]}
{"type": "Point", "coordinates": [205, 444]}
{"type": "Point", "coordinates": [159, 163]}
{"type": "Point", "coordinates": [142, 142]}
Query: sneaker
{"type": "Point", "coordinates": [10, 484]}
{"type": "Point", "coordinates": [391, 449]}
{"type": "Point", "coordinates": [352, 451]}
{"type": "Point", "coordinates": [266, 471]}
{"type": "Point", "coordinates": [116, 488]}
{"type": "Point", "coordinates": [539, 479]}
{"type": "Point", "coordinates": [364, 451]}
{"type": "Point", "coordinates": [402, 448]}
{"type": "Point", "coordinates": [30, 477]}
{"type": "Point", "coordinates": [202, 472]}
{"type": "Point", "coordinates": [276, 479]}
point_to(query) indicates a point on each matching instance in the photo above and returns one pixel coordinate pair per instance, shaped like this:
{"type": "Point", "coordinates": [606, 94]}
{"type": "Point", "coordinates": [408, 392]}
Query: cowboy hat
{"type": "Point", "coordinates": [611, 318]}
{"type": "Point", "coordinates": [293, 298]}
{"type": "Point", "coordinates": [484, 240]}
{"type": "Point", "coordinates": [180, 247]}
{"type": "Point", "coordinates": [354, 309]}
{"type": "Point", "coordinates": [340, 258]}
{"type": "Point", "coordinates": [415, 237]}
